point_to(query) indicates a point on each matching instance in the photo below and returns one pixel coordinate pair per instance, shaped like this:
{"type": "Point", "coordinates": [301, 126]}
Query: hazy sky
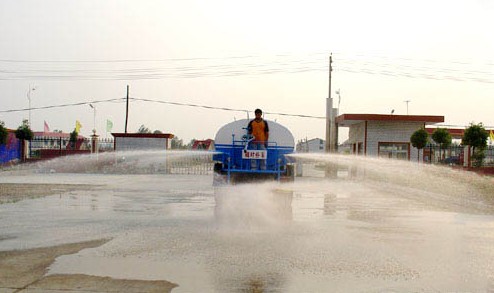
{"type": "Point", "coordinates": [243, 55]}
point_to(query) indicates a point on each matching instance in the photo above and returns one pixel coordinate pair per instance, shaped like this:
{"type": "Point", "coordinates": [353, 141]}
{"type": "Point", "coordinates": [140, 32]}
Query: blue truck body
{"type": "Point", "coordinates": [235, 161]}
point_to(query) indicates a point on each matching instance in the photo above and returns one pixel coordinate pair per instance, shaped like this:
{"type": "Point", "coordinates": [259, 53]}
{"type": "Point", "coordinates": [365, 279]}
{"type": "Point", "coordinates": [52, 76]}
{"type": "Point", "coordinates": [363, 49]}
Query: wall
{"type": "Point", "coordinates": [140, 143]}
{"type": "Point", "coordinates": [356, 133]}
{"type": "Point", "coordinates": [383, 131]}
{"type": "Point", "coordinates": [11, 151]}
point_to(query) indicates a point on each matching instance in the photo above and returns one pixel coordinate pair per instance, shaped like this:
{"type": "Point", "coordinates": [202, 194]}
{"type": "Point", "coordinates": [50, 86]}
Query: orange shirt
{"type": "Point", "coordinates": [259, 129]}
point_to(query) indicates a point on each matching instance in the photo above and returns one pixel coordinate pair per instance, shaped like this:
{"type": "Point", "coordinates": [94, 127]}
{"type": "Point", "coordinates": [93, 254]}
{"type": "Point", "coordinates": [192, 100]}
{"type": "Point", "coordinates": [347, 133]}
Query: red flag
{"type": "Point", "coordinates": [47, 129]}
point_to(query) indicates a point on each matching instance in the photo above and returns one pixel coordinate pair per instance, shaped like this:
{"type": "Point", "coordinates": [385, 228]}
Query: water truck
{"type": "Point", "coordinates": [236, 162]}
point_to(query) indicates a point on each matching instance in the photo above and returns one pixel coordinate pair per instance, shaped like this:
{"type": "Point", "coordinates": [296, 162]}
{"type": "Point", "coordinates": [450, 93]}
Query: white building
{"type": "Point", "coordinates": [141, 141]}
{"type": "Point", "coordinates": [385, 136]}
{"type": "Point", "coordinates": [315, 145]}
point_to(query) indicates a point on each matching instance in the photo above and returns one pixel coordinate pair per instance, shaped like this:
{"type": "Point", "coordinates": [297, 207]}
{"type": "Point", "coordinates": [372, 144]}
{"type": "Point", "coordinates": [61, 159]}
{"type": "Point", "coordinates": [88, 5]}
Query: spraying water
{"type": "Point", "coordinates": [349, 224]}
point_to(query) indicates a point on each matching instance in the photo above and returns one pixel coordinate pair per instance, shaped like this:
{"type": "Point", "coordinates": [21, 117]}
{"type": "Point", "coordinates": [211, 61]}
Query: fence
{"type": "Point", "coordinates": [51, 147]}
{"type": "Point", "coordinates": [453, 155]}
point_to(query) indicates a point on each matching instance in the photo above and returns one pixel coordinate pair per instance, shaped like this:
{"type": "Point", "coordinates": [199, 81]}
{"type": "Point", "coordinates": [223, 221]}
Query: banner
{"type": "Point", "coordinates": [492, 135]}
{"type": "Point", "coordinates": [46, 127]}
{"type": "Point", "coordinates": [109, 125]}
{"type": "Point", "coordinates": [78, 126]}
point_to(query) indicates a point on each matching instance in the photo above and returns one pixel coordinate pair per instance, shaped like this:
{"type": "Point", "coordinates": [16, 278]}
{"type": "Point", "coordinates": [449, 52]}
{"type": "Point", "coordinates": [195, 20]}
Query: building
{"type": "Point", "coordinates": [141, 141]}
{"type": "Point", "coordinates": [315, 145]}
{"type": "Point", "coordinates": [386, 136]}
{"type": "Point", "coordinates": [203, 145]}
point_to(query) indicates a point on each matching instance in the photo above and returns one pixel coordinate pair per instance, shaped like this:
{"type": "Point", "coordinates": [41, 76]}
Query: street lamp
{"type": "Point", "coordinates": [94, 118]}
{"type": "Point", "coordinates": [31, 88]}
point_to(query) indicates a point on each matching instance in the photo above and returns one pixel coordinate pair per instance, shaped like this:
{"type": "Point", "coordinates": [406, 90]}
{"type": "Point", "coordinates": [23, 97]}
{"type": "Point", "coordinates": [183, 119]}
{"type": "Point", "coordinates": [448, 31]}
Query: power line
{"type": "Point", "coordinates": [224, 108]}
{"type": "Point", "coordinates": [241, 66]}
{"type": "Point", "coordinates": [160, 102]}
{"type": "Point", "coordinates": [196, 106]}
{"type": "Point", "coordinates": [62, 105]}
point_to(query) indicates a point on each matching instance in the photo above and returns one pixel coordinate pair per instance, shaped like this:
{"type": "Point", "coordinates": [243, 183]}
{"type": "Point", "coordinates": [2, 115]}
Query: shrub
{"type": "Point", "coordinates": [24, 132]}
{"type": "Point", "coordinates": [3, 133]}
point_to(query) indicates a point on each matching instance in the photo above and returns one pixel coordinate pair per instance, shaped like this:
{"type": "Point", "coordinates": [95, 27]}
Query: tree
{"type": "Point", "coordinates": [73, 139]}
{"type": "Point", "coordinates": [419, 140]}
{"type": "Point", "coordinates": [442, 137]}
{"type": "Point", "coordinates": [157, 132]}
{"type": "Point", "coordinates": [143, 129]}
{"type": "Point", "coordinates": [24, 132]}
{"type": "Point", "coordinates": [190, 144]}
{"type": "Point", "coordinates": [177, 143]}
{"type": "Point", "coordinates": [3, 133]}
{"type": "Point", "coordinates": [476, 137]}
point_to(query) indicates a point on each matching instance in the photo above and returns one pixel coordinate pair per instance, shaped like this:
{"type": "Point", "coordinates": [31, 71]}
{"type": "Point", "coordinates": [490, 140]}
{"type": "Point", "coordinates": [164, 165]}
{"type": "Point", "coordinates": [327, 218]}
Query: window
{"type": "Point", "coordinates": [394, 150]}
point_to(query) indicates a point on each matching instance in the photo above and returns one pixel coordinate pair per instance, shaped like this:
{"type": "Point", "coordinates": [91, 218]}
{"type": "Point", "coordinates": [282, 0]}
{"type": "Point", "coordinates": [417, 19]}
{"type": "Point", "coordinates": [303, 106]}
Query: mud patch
{"type": "Point", "coordinates": [14, 192]}
{"type": "Point", "coordinates": [84, 283]}
{"type": "Point", "coordinates": [24, 270]}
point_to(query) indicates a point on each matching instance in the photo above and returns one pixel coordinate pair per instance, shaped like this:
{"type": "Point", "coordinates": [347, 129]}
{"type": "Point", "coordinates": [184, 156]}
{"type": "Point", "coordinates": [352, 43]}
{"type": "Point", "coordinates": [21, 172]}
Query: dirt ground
{"type": "Point", "coordinates": [13, 192]}
{"type": "Point", "coordinates": [25, 270]}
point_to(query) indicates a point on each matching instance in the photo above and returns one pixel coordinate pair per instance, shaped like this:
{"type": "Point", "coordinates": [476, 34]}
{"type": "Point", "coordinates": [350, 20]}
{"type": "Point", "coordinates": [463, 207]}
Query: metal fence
{"type": "Point", "coordinates": [50, 147]}
{"type": "Point", "coordinates": [453, 155]}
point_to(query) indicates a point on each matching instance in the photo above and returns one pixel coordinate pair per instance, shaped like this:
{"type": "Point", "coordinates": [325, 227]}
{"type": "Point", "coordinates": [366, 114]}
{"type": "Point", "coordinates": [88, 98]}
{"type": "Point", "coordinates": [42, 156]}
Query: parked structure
{"type": "Point", "coordinates": [385, 136]}
{"type": "Point", "coordinates": [141, 141]}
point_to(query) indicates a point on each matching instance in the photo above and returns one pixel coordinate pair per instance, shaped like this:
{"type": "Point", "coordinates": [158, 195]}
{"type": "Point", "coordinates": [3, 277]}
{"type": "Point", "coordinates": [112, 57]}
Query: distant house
{"type": "Point", "coordinates": [386, 136]}
{"type": "Point", "coordinates": [141, 141]}
{"type": "Point", "coordinates": [206, 145]}
{"type": "Point", "coordinates": [315, 145]}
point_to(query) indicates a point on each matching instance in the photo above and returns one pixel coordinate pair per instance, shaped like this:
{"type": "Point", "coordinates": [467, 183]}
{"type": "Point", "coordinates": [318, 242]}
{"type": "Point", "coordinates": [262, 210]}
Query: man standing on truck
{"type": "Point", "coordinates": [259, 129]}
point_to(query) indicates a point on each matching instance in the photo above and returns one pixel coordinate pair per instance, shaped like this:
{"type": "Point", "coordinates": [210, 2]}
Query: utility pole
{"type": "Point", "coordinates": [329, 108]}
{"type": "Point", "coordinates": [127, 110]}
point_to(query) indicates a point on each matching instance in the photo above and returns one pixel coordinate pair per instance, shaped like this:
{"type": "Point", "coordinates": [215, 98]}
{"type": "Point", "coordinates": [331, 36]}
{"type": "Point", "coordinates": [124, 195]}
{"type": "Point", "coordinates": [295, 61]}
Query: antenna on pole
{"type": "Point", "coordinates": [407, 101]}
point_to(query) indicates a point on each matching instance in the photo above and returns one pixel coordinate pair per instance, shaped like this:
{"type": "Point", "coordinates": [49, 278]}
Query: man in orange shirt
{"type": "Point", "coordinates": [259, 129]}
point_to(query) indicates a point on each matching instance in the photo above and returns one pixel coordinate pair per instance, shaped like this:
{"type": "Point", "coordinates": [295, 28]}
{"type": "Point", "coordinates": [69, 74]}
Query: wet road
{"type": "Point", "coordinates": [313, 235]}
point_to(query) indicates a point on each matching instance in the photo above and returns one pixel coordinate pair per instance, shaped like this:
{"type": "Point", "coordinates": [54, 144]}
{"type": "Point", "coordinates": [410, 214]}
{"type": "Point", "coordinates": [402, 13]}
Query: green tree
{"type": "Point", "coordinates": [3, 133]}
{"type": "Point", "coordinates": [143, 129]}
{"type": "Point", "coordinates": [419, 140]}
{"type": "Point", "coordinates": [73, 139]}
{"type": "Point", "coordinates": [442, 137]}
{"type": "Point", "coordinates": [177, 143]}
{"type": "Point", "coordinates": [157, 132]}
{"type": "Point", "coordinates": [24, 132]}
{"type": "Point", "coordinates": [476, 137]}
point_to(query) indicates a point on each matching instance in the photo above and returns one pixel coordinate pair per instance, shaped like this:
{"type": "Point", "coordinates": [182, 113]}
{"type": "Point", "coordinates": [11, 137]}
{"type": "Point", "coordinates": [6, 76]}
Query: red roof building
{"type": "Point", "coordinates": [385, 136]}
{"type": "Point", "coordinates": [206, 145]}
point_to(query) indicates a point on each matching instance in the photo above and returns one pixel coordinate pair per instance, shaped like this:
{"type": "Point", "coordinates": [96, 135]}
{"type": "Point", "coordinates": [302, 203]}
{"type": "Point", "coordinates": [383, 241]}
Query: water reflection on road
{"type": "Point", "coordinates": [313, 235]}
